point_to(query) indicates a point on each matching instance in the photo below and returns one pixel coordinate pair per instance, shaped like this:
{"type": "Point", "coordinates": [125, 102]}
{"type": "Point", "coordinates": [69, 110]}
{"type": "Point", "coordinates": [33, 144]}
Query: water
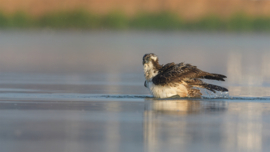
{"type": "Point", "coordinates": [83, 91]}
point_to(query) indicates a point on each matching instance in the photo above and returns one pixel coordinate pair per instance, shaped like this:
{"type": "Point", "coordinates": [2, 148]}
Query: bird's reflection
{"type": "Point", "coordinates": [158, 121]}
{"type": "Point", "coordinates": [171, 123]}
{"type": "Point", "coordinates": [173, 107]}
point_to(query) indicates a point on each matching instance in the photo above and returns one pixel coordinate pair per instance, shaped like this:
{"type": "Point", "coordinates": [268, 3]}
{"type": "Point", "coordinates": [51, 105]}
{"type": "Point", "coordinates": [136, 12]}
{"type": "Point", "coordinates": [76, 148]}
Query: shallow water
{"type": "Point", "coordinates": [83, 91]}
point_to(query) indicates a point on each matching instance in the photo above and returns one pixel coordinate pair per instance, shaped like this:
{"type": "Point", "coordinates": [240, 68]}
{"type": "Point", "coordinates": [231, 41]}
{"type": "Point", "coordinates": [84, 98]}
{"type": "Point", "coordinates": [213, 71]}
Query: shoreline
{"type": "Point", "coordinates": [166, 21]}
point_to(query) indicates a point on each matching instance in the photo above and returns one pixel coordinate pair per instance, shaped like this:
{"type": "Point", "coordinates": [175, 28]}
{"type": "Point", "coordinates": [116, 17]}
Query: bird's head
{"type": "Point", "coordinates": [151, 57]}
{"type": "Point", "coordinates": [151, 65]}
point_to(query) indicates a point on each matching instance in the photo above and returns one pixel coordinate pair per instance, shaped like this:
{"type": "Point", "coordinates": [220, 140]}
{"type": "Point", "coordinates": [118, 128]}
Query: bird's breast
{"type": "Point", "coordinates": [159, 91]}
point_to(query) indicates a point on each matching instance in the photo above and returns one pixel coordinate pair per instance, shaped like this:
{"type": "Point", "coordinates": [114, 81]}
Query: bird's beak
{"type": "Point", "coordinates": [145, 61]}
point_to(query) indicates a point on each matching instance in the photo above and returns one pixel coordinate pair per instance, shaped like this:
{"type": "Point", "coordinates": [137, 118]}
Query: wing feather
{"type": "Point", "coordinates": [183, 72]}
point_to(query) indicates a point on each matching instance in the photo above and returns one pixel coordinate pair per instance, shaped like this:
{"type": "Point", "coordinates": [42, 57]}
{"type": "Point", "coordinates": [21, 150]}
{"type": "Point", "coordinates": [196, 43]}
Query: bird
{"type": "Point", "coordinates": [181, 80]}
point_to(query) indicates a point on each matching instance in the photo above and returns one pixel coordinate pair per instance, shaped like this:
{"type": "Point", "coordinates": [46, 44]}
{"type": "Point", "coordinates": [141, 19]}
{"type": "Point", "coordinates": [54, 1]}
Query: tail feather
{"type": "Point", "coordinates": [214, 76]}
{"type": "Point", "coordinates": [213, 88]}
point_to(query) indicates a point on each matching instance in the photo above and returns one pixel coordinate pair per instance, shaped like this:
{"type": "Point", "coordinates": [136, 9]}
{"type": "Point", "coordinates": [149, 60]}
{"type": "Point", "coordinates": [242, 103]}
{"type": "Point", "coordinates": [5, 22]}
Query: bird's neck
{"type": "Point", "coordinates": [151, 70]}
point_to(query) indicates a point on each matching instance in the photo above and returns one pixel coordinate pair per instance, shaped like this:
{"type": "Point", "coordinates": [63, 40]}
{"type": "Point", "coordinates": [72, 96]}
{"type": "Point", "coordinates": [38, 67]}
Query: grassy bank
{"type": "Point", "coordinates": [144, 21]}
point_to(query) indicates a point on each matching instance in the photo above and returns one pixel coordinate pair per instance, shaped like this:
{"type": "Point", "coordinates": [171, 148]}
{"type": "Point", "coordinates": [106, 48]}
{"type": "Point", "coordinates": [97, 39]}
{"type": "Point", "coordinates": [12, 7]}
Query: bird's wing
{"type": "Point", "coordinates": [182, 72]}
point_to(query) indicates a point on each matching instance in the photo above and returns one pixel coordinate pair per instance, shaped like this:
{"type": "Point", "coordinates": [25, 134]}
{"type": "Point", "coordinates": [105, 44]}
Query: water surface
{"type": "Point", "coordinates": [83, 91]}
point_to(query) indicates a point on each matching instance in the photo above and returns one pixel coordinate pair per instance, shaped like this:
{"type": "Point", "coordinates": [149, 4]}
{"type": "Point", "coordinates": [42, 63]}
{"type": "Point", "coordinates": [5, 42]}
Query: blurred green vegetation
{"type": "Point", "coordinates": [73, 19]}
{"type": "Point", "coordinates": [80, 19]}
{"type": "Point", "coordinates": [163, 21]}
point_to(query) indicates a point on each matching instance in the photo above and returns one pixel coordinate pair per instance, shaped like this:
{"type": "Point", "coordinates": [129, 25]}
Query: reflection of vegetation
{"type": "Point", "coordinates": [117, 20]}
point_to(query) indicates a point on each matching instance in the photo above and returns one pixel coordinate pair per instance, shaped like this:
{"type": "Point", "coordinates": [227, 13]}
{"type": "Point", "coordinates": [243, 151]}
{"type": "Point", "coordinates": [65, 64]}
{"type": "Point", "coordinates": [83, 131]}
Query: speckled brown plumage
{"type": "Point", "coordinates": [194, 93]}
{"type": "Point", "coordinates": [181, 79]}
{"type": "Point", "coordinates": [187, 74]}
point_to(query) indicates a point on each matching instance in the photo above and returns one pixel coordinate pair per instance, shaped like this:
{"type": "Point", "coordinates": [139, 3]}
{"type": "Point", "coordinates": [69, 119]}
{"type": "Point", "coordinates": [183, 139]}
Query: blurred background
{"type": "Point", "coordinates": [111, 36]}
{"type": "Point", "coordinates": [226, 15]}
{"type": "Point", "coordinates": [71, 75]}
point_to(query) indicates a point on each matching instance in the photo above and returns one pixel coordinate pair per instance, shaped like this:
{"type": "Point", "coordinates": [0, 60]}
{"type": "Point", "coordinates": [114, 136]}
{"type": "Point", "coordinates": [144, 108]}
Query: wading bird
{"type": "Point", "coordinates": [181, 79]}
